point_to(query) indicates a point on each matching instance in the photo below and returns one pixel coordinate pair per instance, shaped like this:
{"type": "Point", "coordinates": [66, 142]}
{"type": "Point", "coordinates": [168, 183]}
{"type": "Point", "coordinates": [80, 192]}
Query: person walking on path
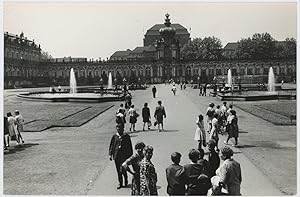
{"type": "Point", "coordinates": [120, 149]}
{"type": "Point", "coordinates": [133, 115]}
{"type": "Point", "coordinates": [175, 186]}
{"type": "Point", "coordinates": [204, 90]}
{"type": "Point", "coordinates": [134, 161]}
{"type": "Point", "coordinates": [230, 173]}
{"type": "Point", "coordinates": [200, 135]}
{"type": "Point", "coordinates": [213, 158]}
{"type": "Point", "coordinates": [200, 88]}
{"type": "Point", "coordinates": [146, 116]}
{"type": "Point", "coordinates": [174, 90]}
{"type": "Point", "coordinates": [224, 114]}
{"type": "Point", "coordinates": [154, 91]}
{"type": "Point", "coordinates": [128, 99]}
{"type": "Point", "coordinates": [19, 122]}
{"type": "Point", "coordinates": [6, 133]}
{"type": "Point", "coordinates": [12, 128]}
{"type": "Point", "coordinates": [159, 115]}
{"type": "Point", "coordinates": [233, 129]}
{"type": "Point", "coordinates": [214, 133]}
{"type": "Point", "coordinates": [148, 176]}
{"type": "Point", "coordinates": [210, 113]}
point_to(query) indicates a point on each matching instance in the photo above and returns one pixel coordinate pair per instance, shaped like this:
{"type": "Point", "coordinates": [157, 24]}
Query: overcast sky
{"type": "Point", "coordinates": [98, 29]}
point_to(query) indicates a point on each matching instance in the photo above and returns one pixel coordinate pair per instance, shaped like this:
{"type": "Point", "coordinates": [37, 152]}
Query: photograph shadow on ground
{"type": "Point", "coordinates": [14, 149]}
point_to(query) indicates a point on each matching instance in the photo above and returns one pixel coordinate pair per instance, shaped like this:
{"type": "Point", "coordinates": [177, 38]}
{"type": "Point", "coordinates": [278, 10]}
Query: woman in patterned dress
{"type": "Point", "coordinates": [148, 176]}
{"type": "Point", "coordinates": [135, 160]}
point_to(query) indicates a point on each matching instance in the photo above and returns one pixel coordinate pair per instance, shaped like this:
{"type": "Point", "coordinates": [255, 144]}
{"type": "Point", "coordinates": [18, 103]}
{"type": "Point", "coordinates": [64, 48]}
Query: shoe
{"type": "Point", "coordinates": [234, 145]}
{"type": "Point", "coordinates": [22, 141]}
{"type": "Point", "coordinates": [119, 187]}
{"type": "Point", "coordinates": [149, 128]}
{"type": "Point", "coordinates": [5, 148]}
{"type": "Point", "coordinates": [143, 129]}
{"type": "Point", "coordinates": [225, 143]}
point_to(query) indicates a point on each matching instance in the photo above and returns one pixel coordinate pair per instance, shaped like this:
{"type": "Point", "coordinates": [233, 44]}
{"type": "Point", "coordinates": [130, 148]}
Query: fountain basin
{"type": "Point", "coordinates": [67, 97]}
{"type": "Point", "coordinates": [256, 96]}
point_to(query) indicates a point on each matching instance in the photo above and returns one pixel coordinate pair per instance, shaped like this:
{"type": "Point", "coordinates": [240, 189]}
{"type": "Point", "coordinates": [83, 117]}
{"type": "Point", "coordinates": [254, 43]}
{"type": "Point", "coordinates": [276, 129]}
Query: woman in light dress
{"type": "Point", "coordinates": [200, 135]}
{"type": "Point", "coordinates": [12, 128]}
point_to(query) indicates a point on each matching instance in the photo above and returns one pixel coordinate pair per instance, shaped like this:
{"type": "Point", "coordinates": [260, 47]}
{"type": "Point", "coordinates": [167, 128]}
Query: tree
{"type": "Point", "coordinates": [260, 46]}
{"type": "Point", "coordinates": [208, 48]}
{"type": "Point", "coordinates": [289, 48]}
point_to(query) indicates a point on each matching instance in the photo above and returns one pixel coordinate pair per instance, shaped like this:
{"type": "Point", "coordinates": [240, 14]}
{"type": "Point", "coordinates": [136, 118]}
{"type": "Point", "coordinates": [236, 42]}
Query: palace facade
{"type": "Point", "coordinates": [158, 60]}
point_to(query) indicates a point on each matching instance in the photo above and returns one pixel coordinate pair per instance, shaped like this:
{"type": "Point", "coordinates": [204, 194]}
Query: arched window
{"type": "Point", "coordinates": [188, 71]}
{"type": "Point", "coordinates": [148, 72]}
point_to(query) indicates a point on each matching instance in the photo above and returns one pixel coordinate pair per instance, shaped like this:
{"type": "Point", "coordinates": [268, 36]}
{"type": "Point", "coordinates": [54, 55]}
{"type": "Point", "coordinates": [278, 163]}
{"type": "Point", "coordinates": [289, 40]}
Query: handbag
{"type": "Point", "coordinates": [149, 123]}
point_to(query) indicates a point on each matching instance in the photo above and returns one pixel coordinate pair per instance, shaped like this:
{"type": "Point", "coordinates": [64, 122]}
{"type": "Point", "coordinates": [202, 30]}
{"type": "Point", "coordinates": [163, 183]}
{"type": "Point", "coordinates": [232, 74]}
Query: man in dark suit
{"type": "Point", "coordinates": [120, 149]}
{"type": "Point", "coordinates": [175, 184]}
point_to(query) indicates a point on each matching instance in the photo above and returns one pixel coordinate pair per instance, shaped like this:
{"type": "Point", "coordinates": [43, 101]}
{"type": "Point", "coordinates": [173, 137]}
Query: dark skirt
{"type": "Point", "coordinates": [132, 119]}
{"type": "Point", "coordinates": [233, 130]}
{"type": "Point", "coordinates": [160, 119]}
{"type": "Point", "coordinates": [146, 119]}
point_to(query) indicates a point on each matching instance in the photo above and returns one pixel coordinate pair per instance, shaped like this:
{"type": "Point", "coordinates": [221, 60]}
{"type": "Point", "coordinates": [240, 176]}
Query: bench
{"type": "Point", "coordinates": [292, 117]}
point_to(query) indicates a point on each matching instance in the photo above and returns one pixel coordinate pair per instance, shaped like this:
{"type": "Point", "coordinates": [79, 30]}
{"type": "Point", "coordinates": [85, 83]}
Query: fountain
{"type": "Point", "coordinates": [73, 85]}
{"type": "Point", "coordinates": [77, 94]}
{"type": "Point", "coordinates": [254, 92]}
{"type": "Point", "coordinates": [271, 81]}
{"type": "Point", "coordinates": [109, 86]}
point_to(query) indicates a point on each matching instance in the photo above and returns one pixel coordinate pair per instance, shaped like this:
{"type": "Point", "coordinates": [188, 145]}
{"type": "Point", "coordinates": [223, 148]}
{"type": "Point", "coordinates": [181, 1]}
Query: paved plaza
{"type": "Point", "coordinates": [74, 160]}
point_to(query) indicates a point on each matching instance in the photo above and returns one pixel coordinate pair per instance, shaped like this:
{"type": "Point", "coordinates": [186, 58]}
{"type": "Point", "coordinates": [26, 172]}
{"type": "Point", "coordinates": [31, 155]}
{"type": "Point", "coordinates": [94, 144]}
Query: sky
{"type": "Point", "coordinates": [98, 29]}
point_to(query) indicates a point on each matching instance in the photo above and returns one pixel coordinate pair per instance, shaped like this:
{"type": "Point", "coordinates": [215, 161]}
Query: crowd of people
{"type": "Point", "coordinates": [195, 178]}
{"type": "Point", "coordinates": [13, 127]}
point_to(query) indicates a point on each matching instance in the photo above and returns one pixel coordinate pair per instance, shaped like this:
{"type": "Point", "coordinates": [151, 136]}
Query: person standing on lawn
{"type": "Point", "coordinates": [159, 115]}
{"type": "Point", "coordinates": [120, 149]}
{"type": "Point", "coordinates": [146, 116]}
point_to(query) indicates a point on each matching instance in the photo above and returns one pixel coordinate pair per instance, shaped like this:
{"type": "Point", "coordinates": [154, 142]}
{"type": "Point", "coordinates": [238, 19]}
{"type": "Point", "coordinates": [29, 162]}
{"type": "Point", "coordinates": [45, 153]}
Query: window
{"type": "Point", "coordinates": [290, 70]}
{"type": "Point", "coordinates": [249, 71]}
{"type": "Point", "coordinates": [148, 72]}
{"type": "Point", "coordinates": [203, 72]}
{"type": "Point", "coordinates": [282, 70]}
{"type": "Point", "coordinates": [195, 71]}
{"type": "Point", "coordinates": [242, 71]}
{"type": "Point", "coordinates": [257, 71]}
{"type": "Point", "coordinates": [234, 71]}
{"type": "Point", "coordinates": [188, 71]}
{"type": "Point", "coordinates": [211, 71]}
{"type": "Point", "coordinates": [219, 71]}
{"type": "Point", "coordinates": [265, 71]}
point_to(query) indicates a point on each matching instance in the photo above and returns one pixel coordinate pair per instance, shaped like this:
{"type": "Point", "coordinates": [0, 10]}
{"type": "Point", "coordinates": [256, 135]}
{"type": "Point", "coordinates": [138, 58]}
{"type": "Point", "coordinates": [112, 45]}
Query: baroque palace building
{"type": "Point", "coordinates": [155, 62]}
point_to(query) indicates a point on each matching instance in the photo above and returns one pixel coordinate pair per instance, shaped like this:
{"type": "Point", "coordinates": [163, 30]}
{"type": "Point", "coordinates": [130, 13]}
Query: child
{"type": "Point", "coordinates": [200, 135]}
